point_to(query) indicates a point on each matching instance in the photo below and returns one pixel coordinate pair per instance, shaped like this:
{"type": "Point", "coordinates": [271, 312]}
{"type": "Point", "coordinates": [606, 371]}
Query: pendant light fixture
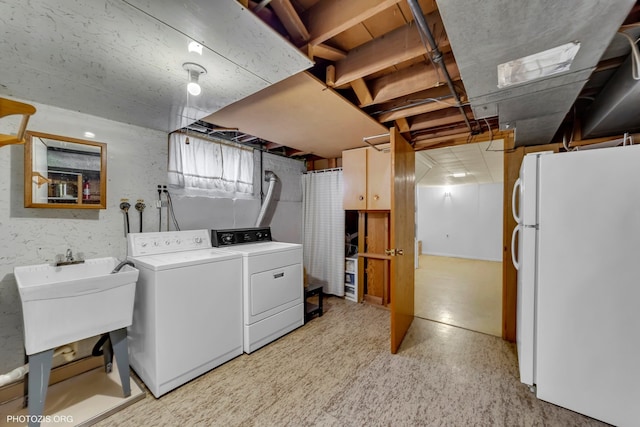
{"type": "Point", "coordinates": [194, 70]}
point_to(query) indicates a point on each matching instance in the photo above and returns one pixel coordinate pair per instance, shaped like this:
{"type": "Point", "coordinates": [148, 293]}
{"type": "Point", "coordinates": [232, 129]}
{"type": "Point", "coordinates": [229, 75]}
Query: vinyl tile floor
{"type": "Point", "coordinates": [461, 292]}
{"type": "Point", "coordinates": [337, 370]}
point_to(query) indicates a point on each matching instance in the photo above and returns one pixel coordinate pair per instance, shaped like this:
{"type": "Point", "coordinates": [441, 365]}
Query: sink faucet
{"type": "Point", "coordinates": [68, 259]}
{"type": "Point", "coordinates": [122, 264]}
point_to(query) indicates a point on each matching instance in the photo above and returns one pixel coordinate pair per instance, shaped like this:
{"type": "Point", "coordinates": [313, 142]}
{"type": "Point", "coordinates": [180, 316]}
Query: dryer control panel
{"type": "Point", "coordinates": [236, 236]}
{"type": "Point", "coordinates": [163, 242]}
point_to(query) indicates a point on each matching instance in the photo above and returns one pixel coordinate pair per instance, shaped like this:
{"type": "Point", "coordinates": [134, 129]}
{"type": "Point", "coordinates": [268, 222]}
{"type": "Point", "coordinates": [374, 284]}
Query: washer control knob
{"type": "Point", "coordinates": [167, 242]}
{"type": "Point", "coordinates": [198, 240]}
{"type": "Point", "coordinates": [143, 244]}
{"type": "Point", "coordinates": [156, 243]}
{"type": "Point", "coordinates": [178, 241]}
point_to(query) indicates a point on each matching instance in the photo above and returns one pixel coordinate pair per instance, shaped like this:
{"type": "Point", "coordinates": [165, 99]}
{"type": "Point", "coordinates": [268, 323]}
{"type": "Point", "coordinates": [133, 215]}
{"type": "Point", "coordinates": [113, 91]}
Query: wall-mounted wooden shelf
{"type": "Point", "coordinates": [10, 108]}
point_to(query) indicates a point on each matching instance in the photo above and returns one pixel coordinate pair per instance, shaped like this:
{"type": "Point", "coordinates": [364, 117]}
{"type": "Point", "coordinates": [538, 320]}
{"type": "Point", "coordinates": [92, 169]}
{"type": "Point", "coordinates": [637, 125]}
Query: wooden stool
{"type": "Point", "coordinates": [311, 309]}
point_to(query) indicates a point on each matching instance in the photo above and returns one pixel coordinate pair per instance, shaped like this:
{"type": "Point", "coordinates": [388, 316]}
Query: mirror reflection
{"type": "Point", "coordinates": [64, 172]}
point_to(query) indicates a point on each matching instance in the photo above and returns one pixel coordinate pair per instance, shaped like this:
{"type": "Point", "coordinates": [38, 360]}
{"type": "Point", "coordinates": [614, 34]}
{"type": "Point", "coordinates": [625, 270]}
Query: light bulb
{"type": "Point", "coordinates": [194, 88]}
{"type": "Point", "coordinates": [195, 47]}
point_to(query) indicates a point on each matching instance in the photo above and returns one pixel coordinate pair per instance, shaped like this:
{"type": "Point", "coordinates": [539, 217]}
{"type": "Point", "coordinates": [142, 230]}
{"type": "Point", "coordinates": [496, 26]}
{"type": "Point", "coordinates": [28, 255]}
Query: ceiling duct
{"type": "Point", "coordinates": [615, 109]}
{"type": "Point", "coordinates": [506, 30]}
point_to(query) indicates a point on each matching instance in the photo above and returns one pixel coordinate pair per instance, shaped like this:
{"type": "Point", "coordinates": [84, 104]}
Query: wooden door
{"type": "Point", "coordinates": [402, 237]}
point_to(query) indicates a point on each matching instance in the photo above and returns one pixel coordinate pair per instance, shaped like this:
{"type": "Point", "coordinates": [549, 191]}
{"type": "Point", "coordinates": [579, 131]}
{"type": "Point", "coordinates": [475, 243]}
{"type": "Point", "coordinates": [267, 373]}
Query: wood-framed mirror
{"type": "Point", "coordinates": [63, 172]}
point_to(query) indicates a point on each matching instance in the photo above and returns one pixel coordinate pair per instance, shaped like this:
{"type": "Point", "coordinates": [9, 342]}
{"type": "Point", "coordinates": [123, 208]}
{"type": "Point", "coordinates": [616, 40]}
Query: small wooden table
{"type": "Point", "coordinates": [311, 309]}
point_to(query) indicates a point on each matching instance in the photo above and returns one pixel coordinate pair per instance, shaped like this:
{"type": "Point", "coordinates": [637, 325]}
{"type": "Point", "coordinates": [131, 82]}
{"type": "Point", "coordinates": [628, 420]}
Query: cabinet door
{"type": "Point", "coordinates": [354, 169]}
{"type": "Point", "coordinates": [378, 180]}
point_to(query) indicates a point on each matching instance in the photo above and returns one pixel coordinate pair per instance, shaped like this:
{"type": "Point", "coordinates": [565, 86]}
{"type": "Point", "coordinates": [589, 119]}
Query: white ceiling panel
{"type": "Point", "coordinates": [123, 62]}
{"type": "Point", "coordinates": [482, 163]}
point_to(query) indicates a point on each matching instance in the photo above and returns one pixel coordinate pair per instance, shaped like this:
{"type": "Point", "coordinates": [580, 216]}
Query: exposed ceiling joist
{"type": "Point", "coordinates": [410, 80]}
{"type": "Point", "coordinates": [397, 46]}
{"type": "Point", "coordinates": [416, 104]}
{"type": "Point", "coordinates": [438, 118]}
{"type": "Point", "coordinates": [291, 21]}
{"type": "Point", "coordinates": [327, 19]}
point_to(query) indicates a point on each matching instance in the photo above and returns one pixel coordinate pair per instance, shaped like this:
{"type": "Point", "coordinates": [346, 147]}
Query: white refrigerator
{"type": "Point", "coordinates": [578, 262]}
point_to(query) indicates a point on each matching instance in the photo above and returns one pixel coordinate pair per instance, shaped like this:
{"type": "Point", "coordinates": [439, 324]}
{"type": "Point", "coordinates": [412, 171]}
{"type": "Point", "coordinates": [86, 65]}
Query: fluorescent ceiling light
{"type": "Point", "coordinates": [538, 65]}
{"type": "Point", "coordinates": [89, 134]}
{"type": "Point", "coordinates": [459, 174]}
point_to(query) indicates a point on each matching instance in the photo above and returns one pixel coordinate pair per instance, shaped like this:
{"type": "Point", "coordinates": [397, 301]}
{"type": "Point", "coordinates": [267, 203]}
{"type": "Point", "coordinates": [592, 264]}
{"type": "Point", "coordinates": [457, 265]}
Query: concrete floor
{"type": "Point", "coordinates": [461, 292]}
{"type": "Point", "coordinates": [337, 370]}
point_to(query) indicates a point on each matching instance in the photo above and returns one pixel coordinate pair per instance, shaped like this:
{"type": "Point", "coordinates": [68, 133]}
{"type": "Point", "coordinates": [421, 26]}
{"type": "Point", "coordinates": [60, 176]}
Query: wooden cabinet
{"type": "Point", "coordinates": [367, 179]}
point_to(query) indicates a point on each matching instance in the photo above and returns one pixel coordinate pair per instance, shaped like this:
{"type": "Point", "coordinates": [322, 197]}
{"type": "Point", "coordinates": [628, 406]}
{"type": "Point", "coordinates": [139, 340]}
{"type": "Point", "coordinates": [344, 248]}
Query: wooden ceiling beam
{"type": "Point", "coordinates": [402, 124]}
{"type": "Point", "coordinates": [459, 139]}
{"type": "Point", "coordinates": [324, 51]}
{"type": "Point", "coordinates": [410, 80]}
{"type": "Point", "coordinates": [328, 18]}
{"type": "Point", "coordinates": [291, 21]}
{"type": "Point", "coordinates": [359, 86]}
{"type": "Point", "coordinates": [441, 91]}
{"type": "Point", "coordinates": [420, 108]}
{"type": "Point", "coordinates": [438, 118]}
{"type": "Point", "coordinates": [397, 46]}
{"type": "Point", "coordinates": [272, 146]}
{"type": "Point", "coordinates": [437, 133]}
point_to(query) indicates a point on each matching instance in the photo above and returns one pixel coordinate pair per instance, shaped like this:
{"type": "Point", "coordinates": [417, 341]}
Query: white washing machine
{"type": "Point", "coordinates": [187, 316]}
{"type": "Point", "coordinates": [272, 283]}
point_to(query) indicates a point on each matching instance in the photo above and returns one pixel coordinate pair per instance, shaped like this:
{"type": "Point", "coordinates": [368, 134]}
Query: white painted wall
{"type": "Point", "coordinates": [284, 215]}
{"type": "Point", "coordinates": [137, 163]}
{"type": "Point", "coordinates": [137, 159]}
{"type": "Point", "coordinates": [468, 224]}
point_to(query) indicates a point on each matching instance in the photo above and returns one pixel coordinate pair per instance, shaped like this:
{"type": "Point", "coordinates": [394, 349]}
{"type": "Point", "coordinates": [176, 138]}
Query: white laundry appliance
{"type": "Point", "coordinates": [272, 283]}
{"type": "Point", "coordinates": [578, 262]}
{"type": "Point", "coordinates": [187, 316]}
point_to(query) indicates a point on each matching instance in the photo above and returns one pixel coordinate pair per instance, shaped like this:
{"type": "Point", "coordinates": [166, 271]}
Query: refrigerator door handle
{"type": "Point", "coordinates": [516, 264]}
{"type": "Point", "coordinates": [516, 190]}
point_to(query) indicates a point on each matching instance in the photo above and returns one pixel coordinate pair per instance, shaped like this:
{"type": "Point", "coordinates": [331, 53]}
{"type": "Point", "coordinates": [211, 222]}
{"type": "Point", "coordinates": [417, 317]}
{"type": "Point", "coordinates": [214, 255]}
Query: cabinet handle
{"type": "Point", "coordinates": [376, 197]}
{"type": "Point", "coordinates": [360, 197]}
{"type": "Point", "coordinates": [278, 275]}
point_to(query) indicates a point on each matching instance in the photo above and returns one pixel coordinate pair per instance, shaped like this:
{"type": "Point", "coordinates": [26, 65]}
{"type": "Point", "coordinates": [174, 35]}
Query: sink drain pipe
{"type": "Point", "coordinates": [18, 373]}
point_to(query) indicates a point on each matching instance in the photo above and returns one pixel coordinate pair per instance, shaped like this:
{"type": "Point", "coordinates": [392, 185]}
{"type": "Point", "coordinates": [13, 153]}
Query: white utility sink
{"type": "Point", "coordinates": [68, 303]}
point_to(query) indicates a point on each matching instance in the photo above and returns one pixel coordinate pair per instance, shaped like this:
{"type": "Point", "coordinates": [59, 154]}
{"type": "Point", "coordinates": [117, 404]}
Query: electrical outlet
{"type": "Point", "coordinates": [161, 204]}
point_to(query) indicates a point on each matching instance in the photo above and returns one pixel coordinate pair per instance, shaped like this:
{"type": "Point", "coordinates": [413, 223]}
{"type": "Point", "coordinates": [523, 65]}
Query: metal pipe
{"type": "Point", "coordinates": [414, 104]}
{"type": "Point", "coordinates": [436, 55]}
{"type": "Point", "coordinates": [261, 6]}
{"type": "Point", "coordinates": [366, 139]}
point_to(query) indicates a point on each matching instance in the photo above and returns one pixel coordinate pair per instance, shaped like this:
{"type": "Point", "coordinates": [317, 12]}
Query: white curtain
{"type": "Point", "coordinates": [323, 229]}
{"type": "Point", "coordinates": [204, 167]}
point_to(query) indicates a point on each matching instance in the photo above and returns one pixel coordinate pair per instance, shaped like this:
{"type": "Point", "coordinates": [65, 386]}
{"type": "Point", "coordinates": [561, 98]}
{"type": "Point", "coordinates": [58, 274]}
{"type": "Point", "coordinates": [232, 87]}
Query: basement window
{"type": "Point", "coordinates": [539, 65]}
{"type": "Point", "coordinates": [210, 167]}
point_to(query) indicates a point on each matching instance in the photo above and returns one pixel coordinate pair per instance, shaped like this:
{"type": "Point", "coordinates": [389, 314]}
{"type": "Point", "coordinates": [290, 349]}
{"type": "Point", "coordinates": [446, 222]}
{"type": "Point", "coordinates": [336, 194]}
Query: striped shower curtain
{"type": "Point", "coordinates": [323, 229]}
